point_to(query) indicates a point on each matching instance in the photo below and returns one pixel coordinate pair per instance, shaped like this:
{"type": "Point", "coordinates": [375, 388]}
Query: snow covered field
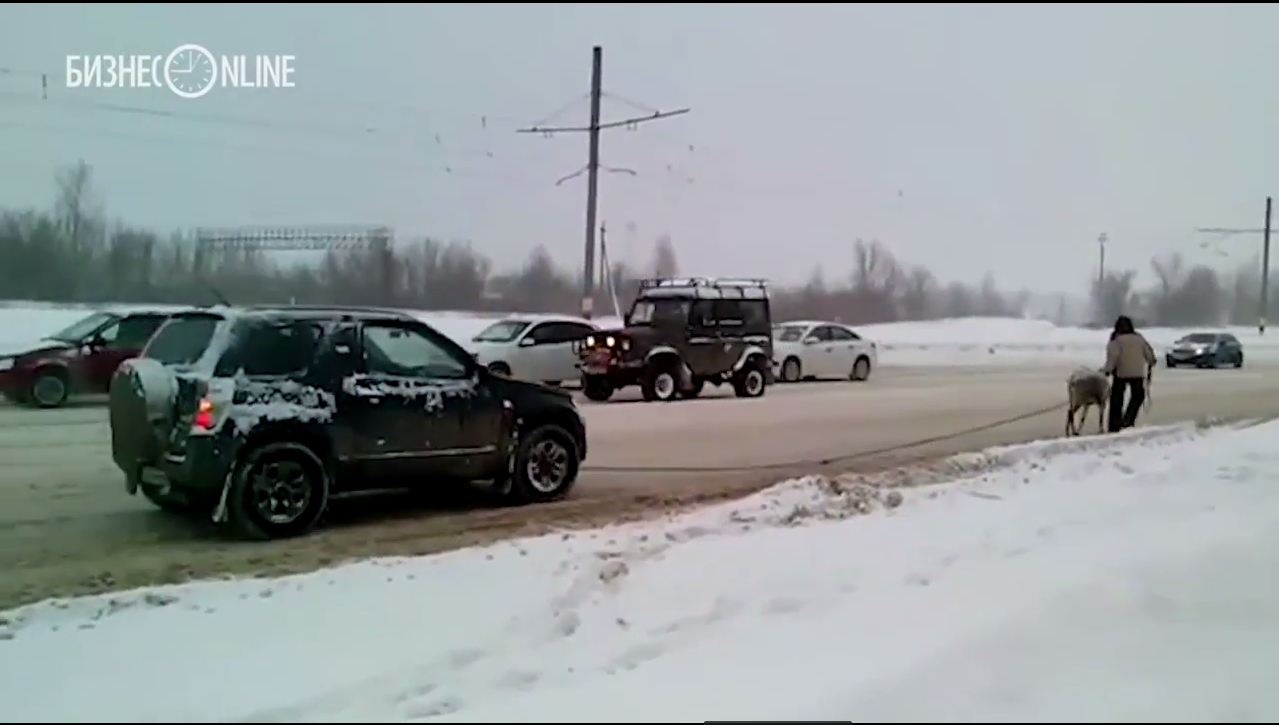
{"type": "Point", "coordinates": [1124, 579]}
{"type": "Point", "coordinates": [968, 341]}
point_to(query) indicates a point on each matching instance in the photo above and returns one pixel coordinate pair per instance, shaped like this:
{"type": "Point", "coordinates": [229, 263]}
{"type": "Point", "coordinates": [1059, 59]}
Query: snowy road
{"type": "Point", "coordinates": [1116, 579]}
{"type": "Point", "coordinates": [67, 526]}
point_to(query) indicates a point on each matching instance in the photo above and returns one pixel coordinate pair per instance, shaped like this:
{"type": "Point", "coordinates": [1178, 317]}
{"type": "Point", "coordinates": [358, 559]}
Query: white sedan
{"type": "Point", "coordinates": [821, 350]}
{"type": "Point", "coordinates": [532, 347]}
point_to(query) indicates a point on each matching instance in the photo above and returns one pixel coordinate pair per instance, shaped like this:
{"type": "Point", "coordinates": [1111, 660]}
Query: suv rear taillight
{"type": "Point", "coordinates": [202, 419]}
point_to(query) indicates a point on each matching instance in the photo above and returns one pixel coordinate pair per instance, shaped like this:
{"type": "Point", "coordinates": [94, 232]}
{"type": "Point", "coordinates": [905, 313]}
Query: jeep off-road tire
{"type": "Point", "coordinates": [792, 370]}
{"type": "Point", "coordinates": [292, 468]}
{"type": "Point", "coordinates": [546, 466]}
{"type": "Point", "coordinates": [750, 381]}
{"type": "Point", "coordinates": [49, 389]}
{"type": "Point", "coordinates": [597, 388]}
{"type": "Point", "coordinates": [661, 383]}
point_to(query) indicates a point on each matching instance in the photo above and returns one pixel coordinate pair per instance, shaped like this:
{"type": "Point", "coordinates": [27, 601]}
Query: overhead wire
{"type": "Point", "coordinates": [436, 167]}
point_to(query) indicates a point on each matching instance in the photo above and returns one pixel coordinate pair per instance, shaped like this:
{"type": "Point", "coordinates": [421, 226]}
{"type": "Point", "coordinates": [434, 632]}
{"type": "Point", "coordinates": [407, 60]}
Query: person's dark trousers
{"type": "Point", "coordinates": [1135, 399]}
{"type": "Point", "coordinates": [1125, 417]}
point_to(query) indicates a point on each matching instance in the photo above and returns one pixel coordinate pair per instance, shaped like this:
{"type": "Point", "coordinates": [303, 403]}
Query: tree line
{"type": "Point", "coordinates": [74, 253]}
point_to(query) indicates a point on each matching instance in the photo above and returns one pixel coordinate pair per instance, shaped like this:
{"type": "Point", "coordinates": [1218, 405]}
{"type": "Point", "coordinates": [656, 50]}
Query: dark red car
{"type": "Point", "coordinates": [78, 359]}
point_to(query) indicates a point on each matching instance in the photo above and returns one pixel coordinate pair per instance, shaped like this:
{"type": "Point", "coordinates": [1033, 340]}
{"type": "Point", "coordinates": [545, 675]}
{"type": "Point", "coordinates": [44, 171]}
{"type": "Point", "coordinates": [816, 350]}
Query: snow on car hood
{"type": "Point", "coordinates": [14, 348]}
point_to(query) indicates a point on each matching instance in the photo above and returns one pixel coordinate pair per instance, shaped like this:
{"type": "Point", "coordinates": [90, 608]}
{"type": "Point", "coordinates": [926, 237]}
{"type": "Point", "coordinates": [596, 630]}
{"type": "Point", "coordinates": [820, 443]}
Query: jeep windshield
{"type": "Point", "coordinates": [659, 311]}
{"type": "Point", "coordinates": [503, 331]}
{"type": "Point", "coordinates": [788, 333]}
{"type": "Point", "coordinates": [82, 328]}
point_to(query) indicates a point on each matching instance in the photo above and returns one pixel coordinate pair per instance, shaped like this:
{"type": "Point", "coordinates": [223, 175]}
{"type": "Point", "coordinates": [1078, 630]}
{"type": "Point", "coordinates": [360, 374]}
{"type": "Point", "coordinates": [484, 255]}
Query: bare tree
{"type": "Point", "coordinates": [69, 254]}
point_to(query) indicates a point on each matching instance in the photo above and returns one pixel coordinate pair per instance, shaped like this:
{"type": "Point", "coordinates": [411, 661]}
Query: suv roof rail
{"type": "Point", "coordinates": [703, 282]}
{"type": "Point", "coordinates": [705, 287]}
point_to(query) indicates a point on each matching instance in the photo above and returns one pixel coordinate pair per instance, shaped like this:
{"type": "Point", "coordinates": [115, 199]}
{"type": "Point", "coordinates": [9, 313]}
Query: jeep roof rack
{"type": "Point", "coordinates": [705, 287]}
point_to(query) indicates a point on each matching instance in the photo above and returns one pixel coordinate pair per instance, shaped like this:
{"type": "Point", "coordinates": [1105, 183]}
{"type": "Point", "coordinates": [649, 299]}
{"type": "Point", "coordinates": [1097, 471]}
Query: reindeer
{"type": "Point", "coordinates": [1085, 388]}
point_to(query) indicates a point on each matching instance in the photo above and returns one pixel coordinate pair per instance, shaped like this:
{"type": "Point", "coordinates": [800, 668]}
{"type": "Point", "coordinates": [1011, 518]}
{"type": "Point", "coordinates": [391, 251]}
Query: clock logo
{"type": "Point", "coordinates": [190, 71]}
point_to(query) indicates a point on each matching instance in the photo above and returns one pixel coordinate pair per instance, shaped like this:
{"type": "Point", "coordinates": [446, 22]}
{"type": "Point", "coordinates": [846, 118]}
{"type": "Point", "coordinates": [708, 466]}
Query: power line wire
{"type": "Point", "coordinates": [274, 149]}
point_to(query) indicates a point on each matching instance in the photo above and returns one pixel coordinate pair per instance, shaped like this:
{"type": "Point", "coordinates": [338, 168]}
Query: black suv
{"type": "Point", "coordinates": [681, 334]}
{"type": "Point", "coordinates": [258, 415]}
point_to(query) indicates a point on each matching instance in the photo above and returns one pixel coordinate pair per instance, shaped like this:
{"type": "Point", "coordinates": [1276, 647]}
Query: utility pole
{"type": "Point", "coordinates": [592, 167]}
{"type": "Point", "coordinates": [1101, 261]}
{"type": "Point", "coordinates": [1264, 231]}
{"type": "Point", "coordinates": [603, 265]}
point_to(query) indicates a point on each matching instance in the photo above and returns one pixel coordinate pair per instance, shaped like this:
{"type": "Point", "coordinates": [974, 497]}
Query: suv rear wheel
{"type": "Point", "coordinates": [546, 465]}
{"type": "Point", "coordinates": [278, 490]}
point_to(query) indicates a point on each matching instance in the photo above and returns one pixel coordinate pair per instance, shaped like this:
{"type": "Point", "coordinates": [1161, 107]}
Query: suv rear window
{"type": "Point", "coordinates": [270, 347]}
{"type": "Point", "coordinates": [183, 340]}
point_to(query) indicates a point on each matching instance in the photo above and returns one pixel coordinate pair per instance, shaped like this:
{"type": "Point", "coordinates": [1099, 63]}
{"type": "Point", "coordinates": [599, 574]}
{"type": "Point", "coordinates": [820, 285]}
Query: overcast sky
{"type": "Point", "coordinates": [969, 137]}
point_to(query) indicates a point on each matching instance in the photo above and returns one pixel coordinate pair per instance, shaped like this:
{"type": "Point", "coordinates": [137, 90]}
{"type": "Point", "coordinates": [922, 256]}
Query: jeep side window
{"type": "Point", "coordinates": [754, 313]}
{"type": "Point", "coordinates": [703, 314]}
{"type": "Point", "coordinates": [729, 313]}
{"type": "Point", "coordinates": [402, 351]}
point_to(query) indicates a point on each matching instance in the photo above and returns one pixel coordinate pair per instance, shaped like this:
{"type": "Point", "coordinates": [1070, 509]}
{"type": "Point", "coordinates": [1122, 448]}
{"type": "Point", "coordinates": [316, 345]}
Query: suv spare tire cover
{"type": "Point", "coordinates": [156, 384]}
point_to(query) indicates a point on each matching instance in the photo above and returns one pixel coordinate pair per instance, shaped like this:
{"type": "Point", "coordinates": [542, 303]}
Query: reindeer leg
{"type": "Point", "coordinates": [1070, 422]}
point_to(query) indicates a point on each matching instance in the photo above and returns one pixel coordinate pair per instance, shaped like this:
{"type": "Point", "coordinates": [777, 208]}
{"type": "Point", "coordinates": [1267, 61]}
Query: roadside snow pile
{"type": "Point", "coordinates": [822, 598]}
{"type": "Point", "coordinates": [22, 323]}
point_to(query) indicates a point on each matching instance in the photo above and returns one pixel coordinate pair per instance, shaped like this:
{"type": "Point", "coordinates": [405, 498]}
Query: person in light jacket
{"type": "Point", "coordinates": [1130, 360]}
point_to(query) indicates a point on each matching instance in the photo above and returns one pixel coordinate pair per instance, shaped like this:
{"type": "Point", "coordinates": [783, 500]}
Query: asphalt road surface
{"type": "Point", "coordinates": [67, 526]}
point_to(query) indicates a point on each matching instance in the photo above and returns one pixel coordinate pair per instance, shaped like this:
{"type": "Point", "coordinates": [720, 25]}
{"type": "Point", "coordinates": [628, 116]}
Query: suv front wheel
{"type": "Point", "coordinates": [750, 381]}
{"type": "Point", "coordinates": [278, 490]}
{"type": "Point", "coordinates": [597, 387]}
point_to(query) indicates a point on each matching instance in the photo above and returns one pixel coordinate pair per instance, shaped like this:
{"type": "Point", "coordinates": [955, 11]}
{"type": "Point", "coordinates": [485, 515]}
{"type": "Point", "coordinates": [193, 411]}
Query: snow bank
{"type": "Point", "coordinates": [1054, 582]}
{"type": "Point", "coordinates": [21, 323]}
{"type": "Point", "coordinates": [965, 341]}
